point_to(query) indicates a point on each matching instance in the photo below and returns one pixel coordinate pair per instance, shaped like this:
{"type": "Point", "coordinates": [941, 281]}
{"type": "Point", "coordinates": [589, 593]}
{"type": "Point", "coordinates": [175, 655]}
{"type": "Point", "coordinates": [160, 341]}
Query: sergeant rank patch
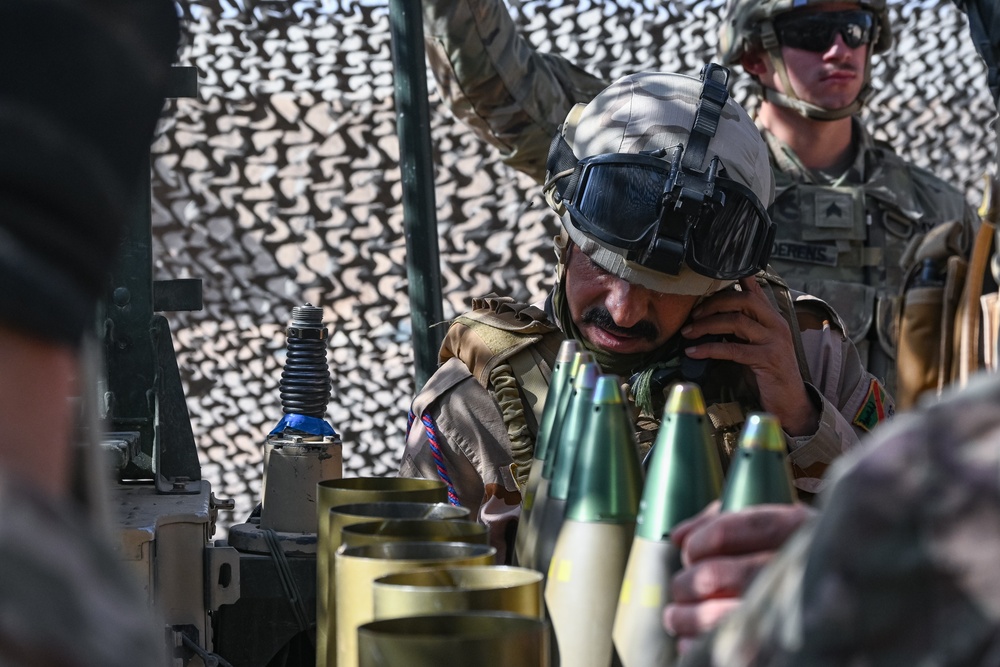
{"type": "Point", "coordinates": [873, 410]}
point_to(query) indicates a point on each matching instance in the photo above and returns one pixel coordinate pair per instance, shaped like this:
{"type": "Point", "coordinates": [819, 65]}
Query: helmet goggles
{"type": "Point", "coordinates": [661, 214]}
{"type": "Point", "coordinates": [816, 31]}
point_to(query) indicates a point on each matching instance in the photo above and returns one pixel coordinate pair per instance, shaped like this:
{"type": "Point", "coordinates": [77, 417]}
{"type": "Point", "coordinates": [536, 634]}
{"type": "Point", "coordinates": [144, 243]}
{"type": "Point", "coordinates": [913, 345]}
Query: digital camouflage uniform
{"type": "Point", "coordinates": [840, 237]}
{"type": "Point", "coordinates": [900, 567]}
{"type": "Point", "coordinates": [474, 422]}
{"type": "Point", "coordinates": [65, 596]}
{"type": "Point", "coordinates": [849, 240]}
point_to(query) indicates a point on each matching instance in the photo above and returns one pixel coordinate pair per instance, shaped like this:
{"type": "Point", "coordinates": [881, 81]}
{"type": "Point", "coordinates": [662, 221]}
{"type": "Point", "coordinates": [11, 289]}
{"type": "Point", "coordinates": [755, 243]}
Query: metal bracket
{"type": "Point", "coordinates": [222, 576]}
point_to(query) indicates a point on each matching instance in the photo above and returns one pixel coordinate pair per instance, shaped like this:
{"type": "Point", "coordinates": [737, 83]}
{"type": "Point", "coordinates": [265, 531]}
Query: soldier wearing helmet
{"type": "Point", "coordinates": [764, 27]}
{"type": "Point", "coordinates": [661, 183]}
{"type": "Point", "coordinates": [853, 218]}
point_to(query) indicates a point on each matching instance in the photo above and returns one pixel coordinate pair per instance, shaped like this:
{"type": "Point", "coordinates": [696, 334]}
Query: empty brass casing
{"type": "Point", "coordinates": [356, 568]}
{"type": "Point", "coordinates": [345, 515]}
{"type": "Point", "coordinates": [413, 530]}
{"type": "Point", "coordinates": [517, 590]}
{"type": "Point", "coordinates": [484, 639]}
{"type": "Point", "coordinates": [341, 491]}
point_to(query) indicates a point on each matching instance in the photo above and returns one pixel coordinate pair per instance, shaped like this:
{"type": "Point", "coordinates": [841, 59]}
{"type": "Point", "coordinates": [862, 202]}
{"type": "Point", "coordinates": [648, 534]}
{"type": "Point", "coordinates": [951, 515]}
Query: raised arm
{"type": "Point", "coordinates": [493, 80]}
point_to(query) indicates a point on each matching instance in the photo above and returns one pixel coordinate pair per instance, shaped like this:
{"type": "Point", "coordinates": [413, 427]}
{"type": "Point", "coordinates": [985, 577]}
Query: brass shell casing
{"type": "Point", "coordinates": [413, 530]}
{"type": "Point", "coordinates": [341, 491]}
{"type": "Point", "coordinates": [504, 588]}
{"type": "Point", "coordinates": [346, 515]}
{"type": "Point", "coordinates": [356, 568]}
{"type": "Point", "coordinates": [484, 639]}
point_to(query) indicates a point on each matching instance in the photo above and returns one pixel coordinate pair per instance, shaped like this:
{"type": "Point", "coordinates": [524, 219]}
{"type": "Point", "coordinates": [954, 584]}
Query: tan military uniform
{"type": "Point", "coordinates": [475, 428]}
{"type": "Point", "coordinates": [65, 597]}
{"type": "Point", "coordinates": [900, 568]}
{"type": "Point", "coordinates": [840, 237]}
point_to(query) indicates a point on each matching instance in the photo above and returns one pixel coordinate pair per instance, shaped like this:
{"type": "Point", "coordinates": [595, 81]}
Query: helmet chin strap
{"type": "Point", "coordinates": [769, 40]}
{"type": "Point", "coordinates": [813, 111]}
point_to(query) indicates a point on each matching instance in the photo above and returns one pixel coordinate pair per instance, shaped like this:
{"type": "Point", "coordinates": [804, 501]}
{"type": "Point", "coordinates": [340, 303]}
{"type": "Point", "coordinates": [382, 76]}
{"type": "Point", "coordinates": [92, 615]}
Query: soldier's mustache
{"type": "Point", "coordinates": [842, 67]}
{"type": "Point", "coordinates": [602, 318]}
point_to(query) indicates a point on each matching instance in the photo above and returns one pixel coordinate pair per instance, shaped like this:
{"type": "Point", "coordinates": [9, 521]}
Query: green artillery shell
{"type": "Point", "coordinates": [684, 472]}
{"type": "Point", "coordinates": [589, 559]}
{"type": "Point", "coordinates": [759, 472]}
{"type": "Point", "coordinates": [550, 516]}
{"type": "Point", "coordinates": [562, 377]}
{"type": "Point", "coordinates": [684, 476]}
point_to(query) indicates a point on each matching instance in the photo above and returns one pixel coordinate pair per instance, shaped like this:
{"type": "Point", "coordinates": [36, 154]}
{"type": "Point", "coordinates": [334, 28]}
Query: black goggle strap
{"type": "Point", "coordinates": [687, 185]}
{"type": "Point", "coordinates": [669, 243]}
{"type": "Point", "coordinates": [562, 160]}
{"type": "Point", "coordinates": [714, 94]}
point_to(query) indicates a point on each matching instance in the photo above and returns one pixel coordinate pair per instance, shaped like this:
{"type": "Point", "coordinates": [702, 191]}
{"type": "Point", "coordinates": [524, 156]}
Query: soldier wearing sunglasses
{"type": "Point", "coordinates": [852, 217]}
{"type": "Point", "coordinates": [662, 184]}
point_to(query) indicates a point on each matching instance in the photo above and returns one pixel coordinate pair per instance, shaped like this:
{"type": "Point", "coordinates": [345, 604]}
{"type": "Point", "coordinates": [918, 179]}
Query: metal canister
{"type": "Point", "coordinates": [341, 491]}
{"type": "Point", "coordinates": [484, 639]}
{"type": "Point", "coordinates": [516, 590]}
{"type": "Point", "coordinates": [356, 568]}
{"type": "Point", "coordinates": [346, 515]}
{"type": "Point", "coordinates": [413, 530]}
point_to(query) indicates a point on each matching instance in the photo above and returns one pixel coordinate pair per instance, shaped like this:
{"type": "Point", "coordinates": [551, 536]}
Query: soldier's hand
{"type": "Point", "coordinates": [721, 554]}
{"type": "Point", "coordinates": [757, 337]}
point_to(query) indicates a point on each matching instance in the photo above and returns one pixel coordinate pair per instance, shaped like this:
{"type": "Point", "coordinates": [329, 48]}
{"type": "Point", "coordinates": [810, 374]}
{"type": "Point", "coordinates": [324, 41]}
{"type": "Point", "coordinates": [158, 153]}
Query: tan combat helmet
{"type": "Point", "coordinates": [654, 113]}
{"type": "Point", "coordinates": [748, 25]}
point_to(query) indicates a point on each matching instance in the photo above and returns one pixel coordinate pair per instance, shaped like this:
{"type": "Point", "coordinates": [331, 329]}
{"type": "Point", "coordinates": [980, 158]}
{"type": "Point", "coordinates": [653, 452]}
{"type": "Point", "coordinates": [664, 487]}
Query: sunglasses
{"type": "Point", "coordinates": [817, 31]}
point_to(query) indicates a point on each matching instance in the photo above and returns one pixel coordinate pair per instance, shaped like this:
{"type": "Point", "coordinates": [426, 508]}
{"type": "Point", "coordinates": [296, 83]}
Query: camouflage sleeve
{"type": "Point", "coordinates": [457, 434]}
{"type": "Point", "coordinates": [492, 79]}
{"type": "Point", "coordinates": [852, 401]}
{"type": "Point", "coordinates": [900, 567]}
{"type": "Point", "coordinates": [66, 598]}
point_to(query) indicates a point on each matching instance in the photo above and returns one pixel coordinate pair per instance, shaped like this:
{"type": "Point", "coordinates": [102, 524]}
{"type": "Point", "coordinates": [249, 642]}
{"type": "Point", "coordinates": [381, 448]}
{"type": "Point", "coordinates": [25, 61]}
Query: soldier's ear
{"type": "Point", "coordinates": [756, 63]}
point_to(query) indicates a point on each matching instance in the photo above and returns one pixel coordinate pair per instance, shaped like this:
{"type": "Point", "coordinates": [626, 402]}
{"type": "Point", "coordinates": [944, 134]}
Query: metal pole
{"type": "Point", "coordinates": [423, 268]}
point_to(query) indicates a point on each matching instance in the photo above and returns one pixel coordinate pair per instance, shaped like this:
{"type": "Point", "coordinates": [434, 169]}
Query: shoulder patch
{"type": "Point", "coordinates": [876, 408]}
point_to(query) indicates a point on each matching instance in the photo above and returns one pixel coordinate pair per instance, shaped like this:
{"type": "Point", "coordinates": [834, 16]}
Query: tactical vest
{"type": "Point", "coordinates": [510, 349]}
{"type": "Point", "coordinates": [851, 245]}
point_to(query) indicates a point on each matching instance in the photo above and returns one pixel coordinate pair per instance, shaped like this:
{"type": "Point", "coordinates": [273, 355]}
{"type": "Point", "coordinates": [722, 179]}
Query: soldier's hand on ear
{"type": "Point", "coordinates": [758, 337]}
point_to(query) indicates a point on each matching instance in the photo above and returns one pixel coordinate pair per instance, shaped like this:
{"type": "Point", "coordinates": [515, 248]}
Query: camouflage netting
{"type": "Point", "coordinates": [280, 185]}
